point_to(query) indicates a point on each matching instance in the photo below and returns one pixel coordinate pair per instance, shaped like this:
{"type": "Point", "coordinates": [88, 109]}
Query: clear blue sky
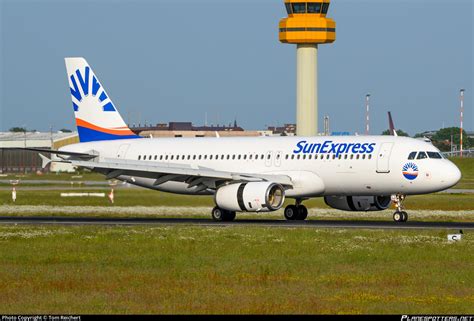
{"type": "Point", "coordinates": [176, 60]}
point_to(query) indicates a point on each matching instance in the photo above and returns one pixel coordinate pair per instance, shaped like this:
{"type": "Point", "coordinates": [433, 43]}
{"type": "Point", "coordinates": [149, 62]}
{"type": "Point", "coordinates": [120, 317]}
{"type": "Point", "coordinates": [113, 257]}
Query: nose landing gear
{"type": "Point", "coordinates": [400, 215]}
{"type": "Point", "coordinates": [296, 212]}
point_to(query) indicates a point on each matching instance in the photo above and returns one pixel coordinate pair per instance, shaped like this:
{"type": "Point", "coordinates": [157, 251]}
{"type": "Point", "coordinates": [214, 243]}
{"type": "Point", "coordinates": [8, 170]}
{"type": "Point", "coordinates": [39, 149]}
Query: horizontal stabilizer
{"type": "Point", "coordinates": [45, 161]}
{"type": "Point", "coordinates": [57, 152]}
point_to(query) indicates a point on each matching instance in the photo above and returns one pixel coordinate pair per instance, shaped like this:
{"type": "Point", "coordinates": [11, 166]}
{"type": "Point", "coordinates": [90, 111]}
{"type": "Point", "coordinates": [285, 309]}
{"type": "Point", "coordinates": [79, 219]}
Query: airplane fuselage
{"type": "Point", "coordinates": [317, 166]}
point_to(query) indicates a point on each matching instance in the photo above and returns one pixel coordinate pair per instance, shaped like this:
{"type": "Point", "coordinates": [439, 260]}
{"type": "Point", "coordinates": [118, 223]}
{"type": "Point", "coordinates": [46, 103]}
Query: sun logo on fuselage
{"type": "Point", "coordinates": [410, 171]}
{"type": "Point", "coordinates": [84, 84]}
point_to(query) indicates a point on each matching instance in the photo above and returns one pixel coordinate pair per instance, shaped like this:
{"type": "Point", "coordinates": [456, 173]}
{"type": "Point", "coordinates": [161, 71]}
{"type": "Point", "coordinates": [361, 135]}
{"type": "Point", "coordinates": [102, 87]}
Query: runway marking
{"type": "Point", "coordinates": [243, 222]}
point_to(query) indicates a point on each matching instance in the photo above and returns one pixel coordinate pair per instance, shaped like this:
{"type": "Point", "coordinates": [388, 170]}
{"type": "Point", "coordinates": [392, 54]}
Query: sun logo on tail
{"type": "Point", "coordinates": [89, 85]}
{"type": "Point", "coordinates": [410, 171]}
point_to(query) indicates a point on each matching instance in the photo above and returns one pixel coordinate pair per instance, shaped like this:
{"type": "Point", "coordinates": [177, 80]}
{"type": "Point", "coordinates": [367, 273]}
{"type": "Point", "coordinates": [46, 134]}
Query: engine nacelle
{"type": "Point", "coordinates": [358, 203]}
{"type": "Point", "coordinates": [250, 197]}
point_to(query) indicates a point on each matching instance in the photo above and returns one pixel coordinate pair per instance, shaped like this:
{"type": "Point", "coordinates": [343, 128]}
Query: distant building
{"type": "Point", "coordinates": [19, 161]}
{"type": "Point", "coordinates": [187, 129]}
{"type": "Point", "coordinates": [285, 130]}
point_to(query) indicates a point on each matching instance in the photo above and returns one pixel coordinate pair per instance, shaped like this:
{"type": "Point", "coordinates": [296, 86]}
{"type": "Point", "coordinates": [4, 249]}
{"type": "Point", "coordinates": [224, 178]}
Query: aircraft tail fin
{"type": "Point", "coordinates": [97, 118]}
{"type": "Point", "coordinates": [392, 130]}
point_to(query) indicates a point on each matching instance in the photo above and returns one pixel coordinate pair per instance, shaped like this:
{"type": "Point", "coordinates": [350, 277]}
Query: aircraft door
{"type": "Point", "coordinates": [278, 159]}
{"type": "Point", "coordinates": [383, 158]}
{"type": "Point", "coordinates": [122, 151]}
{"type": "Point", "coordinates": [268, 159]}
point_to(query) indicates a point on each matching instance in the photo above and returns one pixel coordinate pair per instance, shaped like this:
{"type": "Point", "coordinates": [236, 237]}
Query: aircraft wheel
{"type": "Point", "coordinates": [302, 213]}
{"type": "Point", "coordinates": [217, 214]}
{"type": "Point", "coordinates": [291, 212]}
{"type": "Point", "coordinates": [398, 216]}
{"type": "Point", "coordinates": [405, 216]}
{"type": "Point", "coordinates": [229, 216]}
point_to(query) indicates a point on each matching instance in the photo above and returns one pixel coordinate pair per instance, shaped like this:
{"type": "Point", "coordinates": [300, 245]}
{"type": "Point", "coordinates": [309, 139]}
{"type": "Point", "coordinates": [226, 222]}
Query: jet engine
{"type": "Point", "coordinates": [250, 197]}
{"type": "Point", "coordinates": [358, 203]}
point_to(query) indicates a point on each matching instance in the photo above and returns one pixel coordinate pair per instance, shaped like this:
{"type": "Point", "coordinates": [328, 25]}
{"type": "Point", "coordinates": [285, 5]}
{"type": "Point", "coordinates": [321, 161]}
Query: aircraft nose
{"type": "Point", "coordinates": [452, 175]}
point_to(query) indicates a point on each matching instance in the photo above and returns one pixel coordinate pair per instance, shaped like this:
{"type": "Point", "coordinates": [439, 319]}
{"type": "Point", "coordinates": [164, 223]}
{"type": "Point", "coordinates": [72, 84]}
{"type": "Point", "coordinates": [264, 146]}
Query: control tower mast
{"type": "Point", "coordinates": [307, 26]}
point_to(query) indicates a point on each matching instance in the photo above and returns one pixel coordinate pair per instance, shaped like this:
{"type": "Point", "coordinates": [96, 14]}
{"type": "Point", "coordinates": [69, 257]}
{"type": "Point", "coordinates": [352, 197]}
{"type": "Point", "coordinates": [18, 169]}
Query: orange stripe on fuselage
{"type": "Point", "coordinates": [83, 123]}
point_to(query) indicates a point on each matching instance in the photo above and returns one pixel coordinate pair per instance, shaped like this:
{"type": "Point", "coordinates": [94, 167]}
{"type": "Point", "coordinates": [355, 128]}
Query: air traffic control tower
{"type": "Point", "coordinates": [307, 27]}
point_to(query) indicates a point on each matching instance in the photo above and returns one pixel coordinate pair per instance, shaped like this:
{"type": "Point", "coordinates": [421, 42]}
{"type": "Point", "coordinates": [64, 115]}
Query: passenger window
{"type": "Point", "coordinates": [139, 157]}
{"type": "Point", "coordinates": [238, 157]}
{"type": "Point", "coordinates": [340, 156]}
{"type": "Point", "coordinates": [370, 156]}
{"type": "Point", "coordinates": [245, 157]}
{"type": "Point", "coordinates": [434, 155]}
{"type": "Point", "coordinates": [149, 157]}
{"type": "Point", "coordinates": [412, 155]}
{"type": "Point", "coordinates": [422, 155]}
{"type": "Point", "coordinates": [345, 156]}
{"type": "Point", "coordinates": [310, 156]}
{"type": "Point", "coordinates": [166, 157]}
{"type": "Point", "coordinates": [298, 157]}
{"type": "Point", "coordinates": [293, 156]}
{"type": "Point", "coordinates": [304, 156]}
{"type": "Point", "coordinates": [357, 156]}
{"type": "Point", "coordinates": [194, 157]}
{"type": "Point", "coordinates": [228, 156]}
{"type": "Point", "coordinates": [262, 156]}
{"type": "Point", "coordinates": [161, 157]}
{"type": "Point", "coordinates": [333, 156]}
{"type": "Point", "coordinates": [171, 157]}
{"type": "Point", "coordinates": [199, 157]}
{"type": "Point", "coordinates": [363, 156]}
{"type": "Point", "coordinates": [327, 156]}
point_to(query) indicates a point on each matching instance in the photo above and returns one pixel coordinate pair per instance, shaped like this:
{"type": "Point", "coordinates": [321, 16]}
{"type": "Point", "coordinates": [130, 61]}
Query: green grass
{"type": "Point", "coordinates": [466, 165]}
{"type": "Point", "coordinates": [69, 270]}
{"type": "Point", "coordinates": [143, 197]}
{"type": "Point", "coordinates": [86, 176]}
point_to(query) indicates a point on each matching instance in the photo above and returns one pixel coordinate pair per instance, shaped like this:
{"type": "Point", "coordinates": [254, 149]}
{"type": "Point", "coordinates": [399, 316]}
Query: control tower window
{"type": "Point", "coordinates": [314, 7]}
{"type": "Point", "coordinates": [288, 8]}
{"type": "Point", "coordinates": [299, 7]}
{"type": "Point", "coordinates": [325, 8]}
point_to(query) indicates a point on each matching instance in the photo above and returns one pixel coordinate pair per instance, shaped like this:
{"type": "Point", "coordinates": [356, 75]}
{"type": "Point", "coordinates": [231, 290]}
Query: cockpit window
{"type": "Point", "coordinates": [412, 155]}
{"type": "Point", "coordinates": [434, 155]}
{"type": "Point", "coordinates": [422, 155]}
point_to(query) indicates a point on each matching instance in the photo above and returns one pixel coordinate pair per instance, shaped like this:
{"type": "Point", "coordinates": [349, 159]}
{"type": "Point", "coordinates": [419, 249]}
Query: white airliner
{"type": "Point", "coordinates": [248, 174]}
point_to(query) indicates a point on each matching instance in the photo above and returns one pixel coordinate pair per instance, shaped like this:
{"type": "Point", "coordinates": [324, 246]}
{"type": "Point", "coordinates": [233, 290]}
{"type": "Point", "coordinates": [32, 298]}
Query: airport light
{"type": "Point", "coordinates": [462, 112]}
{"type": "Point", "coordinates": [307, 27]}
{"type": "Point", "coordinates": [367, 121]}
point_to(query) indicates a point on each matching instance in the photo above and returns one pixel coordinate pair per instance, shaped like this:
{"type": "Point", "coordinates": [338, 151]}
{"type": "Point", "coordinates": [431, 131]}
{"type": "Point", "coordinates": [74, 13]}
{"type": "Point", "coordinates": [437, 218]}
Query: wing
{"type": "Point", "coordinates": [200, 177]}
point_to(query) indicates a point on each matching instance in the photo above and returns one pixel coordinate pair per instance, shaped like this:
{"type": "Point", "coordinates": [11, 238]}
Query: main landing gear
{"type": "Point", "coordinates": [400, 215]}
{"type": "Point", "coordinates": [221, 215]}
{"type": "Point", "coordinates": [296, 212]}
